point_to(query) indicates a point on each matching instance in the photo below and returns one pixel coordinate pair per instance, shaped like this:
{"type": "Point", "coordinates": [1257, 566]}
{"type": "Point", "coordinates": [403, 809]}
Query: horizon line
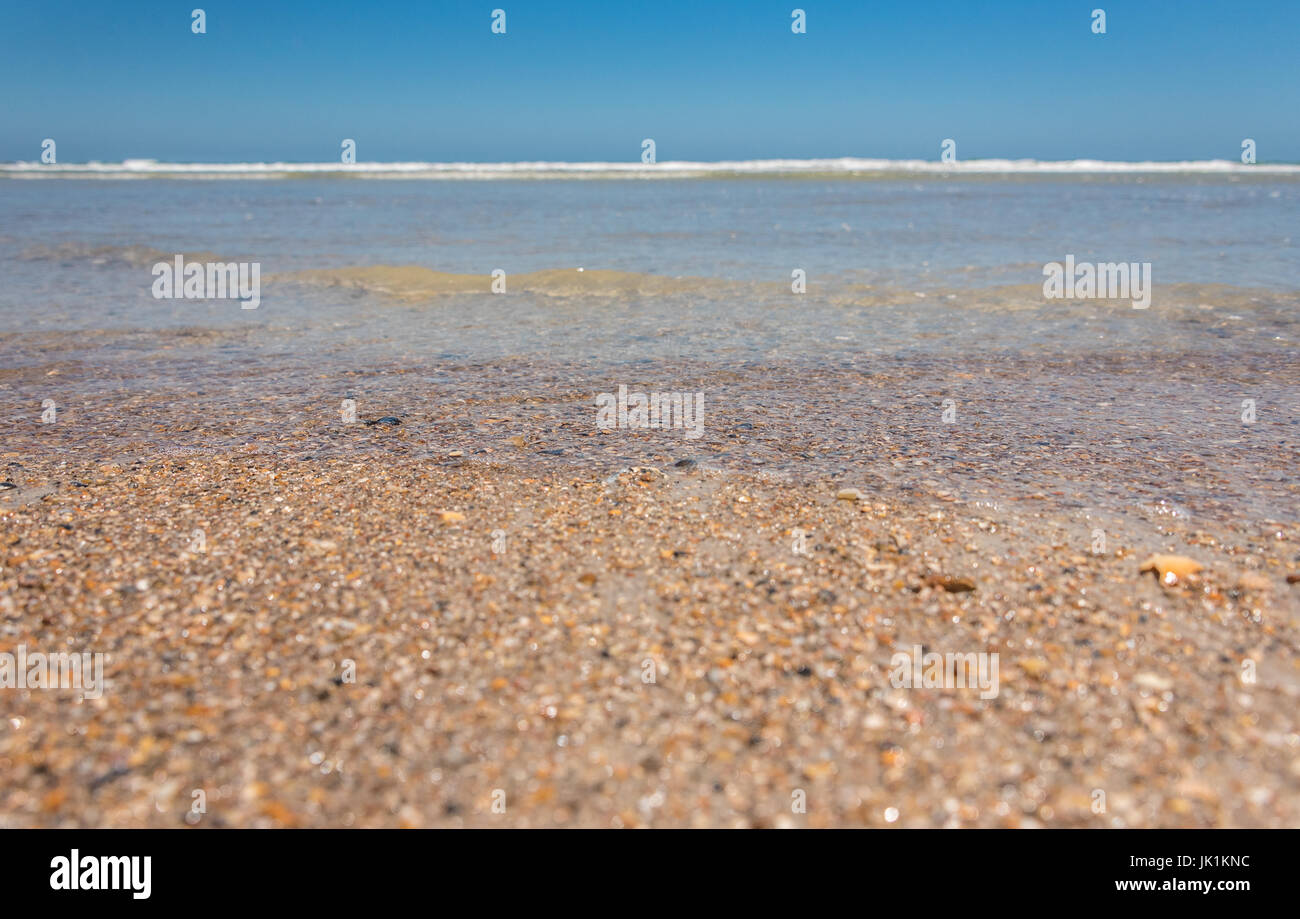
{"type": "Point", "coordinates": [837, 166]}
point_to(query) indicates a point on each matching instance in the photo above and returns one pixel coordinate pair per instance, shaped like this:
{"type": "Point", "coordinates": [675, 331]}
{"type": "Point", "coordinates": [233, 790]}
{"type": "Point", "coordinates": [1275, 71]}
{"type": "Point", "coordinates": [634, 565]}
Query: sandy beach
{"type": "Point", "coordinates": [380, 539]}
{"type": "Point", "coordinates": [487, 612]}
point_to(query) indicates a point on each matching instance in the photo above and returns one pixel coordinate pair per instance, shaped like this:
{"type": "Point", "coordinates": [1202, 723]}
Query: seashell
{"type": "Point", "coordinates": [1170, 569]}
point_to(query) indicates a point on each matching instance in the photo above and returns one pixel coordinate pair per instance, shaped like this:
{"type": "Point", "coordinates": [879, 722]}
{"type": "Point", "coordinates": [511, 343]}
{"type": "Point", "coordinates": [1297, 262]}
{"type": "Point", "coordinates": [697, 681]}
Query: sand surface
{"type": "Point", "coordinates": [503, 626]}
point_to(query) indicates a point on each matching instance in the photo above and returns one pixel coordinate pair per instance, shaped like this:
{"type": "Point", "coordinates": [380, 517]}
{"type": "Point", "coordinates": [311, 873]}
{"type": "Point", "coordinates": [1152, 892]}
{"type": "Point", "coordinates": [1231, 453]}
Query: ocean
{"type": "Point", "coordinates": [837, 308]}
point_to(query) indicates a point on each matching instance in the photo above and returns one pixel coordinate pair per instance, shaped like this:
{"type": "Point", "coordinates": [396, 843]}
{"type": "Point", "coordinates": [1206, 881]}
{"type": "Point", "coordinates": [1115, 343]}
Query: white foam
{"type": "Point", "coordinates": [846, 166]}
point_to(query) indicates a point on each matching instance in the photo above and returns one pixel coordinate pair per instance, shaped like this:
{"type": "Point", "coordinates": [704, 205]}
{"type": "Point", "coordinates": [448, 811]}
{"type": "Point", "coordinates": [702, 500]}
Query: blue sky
{"type": "Point", "coordinates": [707, 79]}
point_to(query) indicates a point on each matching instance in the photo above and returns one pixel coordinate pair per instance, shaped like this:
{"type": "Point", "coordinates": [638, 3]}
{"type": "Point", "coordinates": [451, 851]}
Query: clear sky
{"type": "Point", "coordinates": [707, 79]}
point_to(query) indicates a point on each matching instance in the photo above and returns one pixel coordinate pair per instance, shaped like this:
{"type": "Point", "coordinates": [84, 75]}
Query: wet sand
{"type": "Point", "coordinates": [504, 577]}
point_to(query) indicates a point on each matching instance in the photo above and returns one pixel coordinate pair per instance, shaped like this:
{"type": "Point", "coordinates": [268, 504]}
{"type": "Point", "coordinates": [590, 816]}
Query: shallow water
{"type": "Point", "coordinates": [907, 233]}
{"type": "Point", "coordinates": [919, 290]}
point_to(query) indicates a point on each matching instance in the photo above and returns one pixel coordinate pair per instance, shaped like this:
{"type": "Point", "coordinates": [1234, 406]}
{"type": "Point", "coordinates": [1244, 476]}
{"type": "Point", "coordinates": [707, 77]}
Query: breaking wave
{"type": "Point", "coordinates": [845, 167]}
